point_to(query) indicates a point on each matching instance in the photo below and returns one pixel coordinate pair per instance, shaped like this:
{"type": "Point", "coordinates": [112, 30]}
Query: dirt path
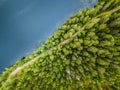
{"type": "Point", "coordinates": [62, 43]}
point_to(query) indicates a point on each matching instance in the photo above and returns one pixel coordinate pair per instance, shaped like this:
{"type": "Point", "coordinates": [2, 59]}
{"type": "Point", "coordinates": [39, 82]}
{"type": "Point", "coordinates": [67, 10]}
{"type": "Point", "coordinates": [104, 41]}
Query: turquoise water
{"type": "Point", "coordinates": [24, 24]}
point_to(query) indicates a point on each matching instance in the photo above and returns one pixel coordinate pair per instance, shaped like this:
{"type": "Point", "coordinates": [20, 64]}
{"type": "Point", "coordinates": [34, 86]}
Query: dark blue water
{"type": "Point", "coordinates": [24, 24]}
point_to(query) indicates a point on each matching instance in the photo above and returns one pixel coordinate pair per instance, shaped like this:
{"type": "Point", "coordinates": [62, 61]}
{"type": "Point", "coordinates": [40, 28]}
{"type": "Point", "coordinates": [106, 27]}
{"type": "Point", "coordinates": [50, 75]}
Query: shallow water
{"type": "Point", "coordinates": [24, 24]}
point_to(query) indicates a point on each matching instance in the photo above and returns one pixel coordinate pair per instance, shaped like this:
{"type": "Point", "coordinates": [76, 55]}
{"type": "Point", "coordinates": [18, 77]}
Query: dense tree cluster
{"type": "Point", "coordinates": [84, 54]}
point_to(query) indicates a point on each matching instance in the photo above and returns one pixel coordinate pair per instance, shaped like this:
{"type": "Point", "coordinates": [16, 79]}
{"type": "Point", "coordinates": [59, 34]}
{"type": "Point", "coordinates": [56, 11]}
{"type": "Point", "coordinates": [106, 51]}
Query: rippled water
{"type": "Point", "coordinates": [24, 24]}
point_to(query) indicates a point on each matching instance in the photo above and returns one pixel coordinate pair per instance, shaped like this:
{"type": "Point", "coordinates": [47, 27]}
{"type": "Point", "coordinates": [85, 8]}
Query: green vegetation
{"type": "Point", "coordinates": [84, 54]}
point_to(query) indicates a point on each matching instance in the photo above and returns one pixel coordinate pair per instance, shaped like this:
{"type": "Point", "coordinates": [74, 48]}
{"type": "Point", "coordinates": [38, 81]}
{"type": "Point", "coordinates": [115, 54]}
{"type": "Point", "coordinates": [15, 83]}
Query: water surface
{"type": "Point", "coordinates": [24, 24]}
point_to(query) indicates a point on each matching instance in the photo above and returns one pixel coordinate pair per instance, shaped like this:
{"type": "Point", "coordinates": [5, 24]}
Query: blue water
{"type": "Point", "coordinates": [24, 24]}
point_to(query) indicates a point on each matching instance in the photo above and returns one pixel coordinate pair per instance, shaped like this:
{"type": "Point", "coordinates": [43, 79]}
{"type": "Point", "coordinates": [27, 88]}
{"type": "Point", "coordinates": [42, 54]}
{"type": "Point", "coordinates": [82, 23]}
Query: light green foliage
{"type": "Point", "coordinates": [84, 54]}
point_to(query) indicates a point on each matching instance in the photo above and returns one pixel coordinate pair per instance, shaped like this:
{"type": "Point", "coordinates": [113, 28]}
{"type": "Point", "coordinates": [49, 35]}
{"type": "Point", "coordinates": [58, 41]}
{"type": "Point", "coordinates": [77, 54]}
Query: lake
{"type": "Point", "coordinates": [25, 24]}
